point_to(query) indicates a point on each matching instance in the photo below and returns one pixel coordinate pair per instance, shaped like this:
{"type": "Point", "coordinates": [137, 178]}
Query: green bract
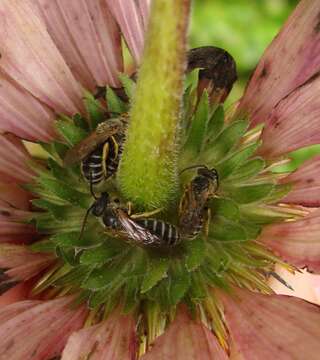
{"type": "Point", "coordinates": [104, 271]}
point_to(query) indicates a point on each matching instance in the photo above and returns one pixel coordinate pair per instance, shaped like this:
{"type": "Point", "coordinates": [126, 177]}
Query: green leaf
{"type": "Point", "coordinates": [71, 133]}
{"type": "Point", "coordinates": [250, 193]}
{"type": "Point", "coordinates": [278, 192]}
{"type": "Point", "coordinates": [109, 275]}
{"type": "Point", "coordinates": [157, 270]}
{"type": "Point", "coordinates": [95, 110]}
{"type": "Point", "coordinates": [195, 253]}
{"type": "Point", "coordinates": [222, 229]}
{"type": "Point", "coordinates": [179, 283]}
{"type": "Point", "coordinates": [263, 214]}
{"type": "Point", "coordinates": [131, 291]}
{"type": "Point", "coordinates": [198, 289]}
{"type": "Point", "coordinates": [75, 276]}
{"type": "Point", "coordinates": [229, 137]}
{"type": "Point", "coordinates": [58, 211]}
{"type": "Point", "coordinates": [59, 172]}
{"type": "Point", "coordinates": [215, 124]}
{"type": "Point", "coordinates": [197, 131]}
{"type": "Point", "coordinates": [115, 104]}
{"type": "Point", "coordinates": [103, 253]}
{"type": "Point", "coordinates": [246, 171]}
{"type": "Point", "coordinates": [45, 246]}
{"type": "Point", "coordinates": [81, 122]}
{"type": "Point", "coordinates": [72, 239]}
{"type": "Point", "coordinates": [128, 84]}
{"type": "Point", "coordinates": [65, 192]}
{"type": "Point", "coordinates": [67, 255]}
{"type": "Point", "coordinates": [235, 160]}
{"type": "Point", "coordinates": [224, 207]}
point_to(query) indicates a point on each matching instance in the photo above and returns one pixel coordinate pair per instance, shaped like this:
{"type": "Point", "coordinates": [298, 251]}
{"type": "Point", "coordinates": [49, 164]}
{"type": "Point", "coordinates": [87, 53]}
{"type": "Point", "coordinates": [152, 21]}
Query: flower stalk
{"type": "Point", "coordinates": [148, 170]}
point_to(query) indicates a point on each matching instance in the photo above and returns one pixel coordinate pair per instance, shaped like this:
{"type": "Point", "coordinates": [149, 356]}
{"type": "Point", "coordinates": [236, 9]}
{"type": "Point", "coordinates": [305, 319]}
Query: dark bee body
{"type": "Point", "coordinates": [104, 160]}
{"type": "Point", "coordinates": [99, 153]}
{"type": "Point", "coordinates": [168, 234]}
{"type": "Point", "coordinates": [140, 231]}
{"type": "Point", "coordinates": [194, 200]}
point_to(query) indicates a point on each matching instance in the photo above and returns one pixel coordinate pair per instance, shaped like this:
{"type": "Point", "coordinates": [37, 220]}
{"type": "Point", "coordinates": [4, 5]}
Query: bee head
{"type": "Point", "coordinates": [100, 204]}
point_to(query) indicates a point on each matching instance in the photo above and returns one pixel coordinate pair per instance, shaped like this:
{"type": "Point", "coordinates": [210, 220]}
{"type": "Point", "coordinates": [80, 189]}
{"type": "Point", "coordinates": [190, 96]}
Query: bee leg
{"type": "Point", "coordinates": [207, 222]}
{"type": "Point", "coordinates": [146, 214]}
{"type": "Point", "coordinates": [129, 207]}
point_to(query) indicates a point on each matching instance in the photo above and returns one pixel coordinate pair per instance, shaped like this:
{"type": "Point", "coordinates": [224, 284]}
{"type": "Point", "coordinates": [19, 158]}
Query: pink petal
{"type": "Point", "coordinates": [12, 310]}
{"type": "Point", "coordinates": [129, 18]}
{"type": "Point", "coordinates": [306, 286]}
{"type": "Point", "coordinates": [13, 159]}
{"type": "Point", "coordinates": [305, 184]}
{"type": "Point", "coordinates": [186, 340]}
{"type": "Point", "coordinates": [17, 293]}
{"type": "Point", "coordinates": [22, 263]}
{"type": "Point", "coordinates": [40, 332]}
{"type": "Point", "coordinates": [291, 59]}
{"type": "Point", "coordinates": [30, 57]}
{"type": "Point", "coordinates": [15, 196]}
{"type": "Point", "coordinates": [145, 6]}
{"type": "Point", "coordinates": [297, 242]}
{"type": "Point", "coordinates": [273, 326]}
{"type": "Point", "coordinates": [115, 338]}
{"type": "Point", "coordinates": [87, 37]}
{"type": "Point", "coordinates": [22, 114]}
{"type": "Point", "coordinates": [294, 122]}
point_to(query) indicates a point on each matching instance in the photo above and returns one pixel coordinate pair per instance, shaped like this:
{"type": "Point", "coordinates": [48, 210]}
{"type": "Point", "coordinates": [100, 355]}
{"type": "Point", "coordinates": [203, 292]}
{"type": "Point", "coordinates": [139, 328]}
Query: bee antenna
{"type": "Point", "coordinates": [192, 167]}
{"type": "Point", "coordinates": [85, 221]}
{"type": "Point", "coordinates": [91, 187]}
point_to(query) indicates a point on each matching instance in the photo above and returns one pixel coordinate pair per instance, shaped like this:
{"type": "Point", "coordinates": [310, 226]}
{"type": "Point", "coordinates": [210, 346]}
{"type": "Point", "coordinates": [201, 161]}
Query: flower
{"type": "Point", "coordinates": [70, 289]}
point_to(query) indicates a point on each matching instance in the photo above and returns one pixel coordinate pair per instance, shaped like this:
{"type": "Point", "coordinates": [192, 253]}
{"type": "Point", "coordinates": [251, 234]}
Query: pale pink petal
{"type": "Point", "coordinates": [114, 338]}
{"type": "Point", "coordinates": [14, 195]}
{"type": "Point", "coordinates": [40, 332]}
{"type": "Point", "coordinates": [87, 37]}
{"type": "Point", "coordinates": [291, 59]}
{"type": "Point", "coordinates": [186, 340]}
{"type": "Point", "coordinates": [305, 184]}
{"type": "Point", "coordinates": [297, 242]}
{"type": "Point", "coordinates": [12, 310]}
{"type": "Point", "coordinates": [22, 114]}
{"type": "Point", "coordinates": [128, 16]}
{"type": "Point", "coordinates": [31, 58]}
{"type": "Point", "coordinates": [22, 263]}
{"type": "Point", "coordinates": [294, 122]}
{"type": "Point", "coordinates": [145, 6]}
{"type": "Point", "coordinates": [17, 293]}
{"type": "Point", "coordinates": [306, 286]}
{"type": "Point", "coordinates": [13, 160]}
{"type": "Point", "coordinates": [273, 326]}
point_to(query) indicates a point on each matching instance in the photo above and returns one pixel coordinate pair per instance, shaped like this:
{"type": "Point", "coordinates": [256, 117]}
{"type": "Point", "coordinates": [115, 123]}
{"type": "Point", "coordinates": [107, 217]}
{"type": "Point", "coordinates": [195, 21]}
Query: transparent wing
{"type": "Point", "coordinates": [136, 232]}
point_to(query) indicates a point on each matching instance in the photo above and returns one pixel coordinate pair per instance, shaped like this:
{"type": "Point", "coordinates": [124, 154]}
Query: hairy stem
{"type": "Point", "coordinates": [148, 171]}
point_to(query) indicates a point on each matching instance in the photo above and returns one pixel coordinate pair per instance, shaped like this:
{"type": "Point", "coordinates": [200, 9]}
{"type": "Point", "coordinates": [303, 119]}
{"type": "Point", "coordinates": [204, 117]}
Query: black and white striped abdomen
{"type": "Point", "coordinates": [168, 234]}
{"type": "Point", "coordinates": [92, 167]}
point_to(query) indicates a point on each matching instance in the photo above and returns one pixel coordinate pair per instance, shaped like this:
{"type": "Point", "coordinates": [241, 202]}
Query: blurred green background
{"type": "Point", "coordinates": [244, 28]}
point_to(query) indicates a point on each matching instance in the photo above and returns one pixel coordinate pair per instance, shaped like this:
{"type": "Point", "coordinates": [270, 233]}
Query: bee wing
{"type": "Point", "coordinates": [136, 232]}
{"type": "Point", "coordinates": [90, 143]}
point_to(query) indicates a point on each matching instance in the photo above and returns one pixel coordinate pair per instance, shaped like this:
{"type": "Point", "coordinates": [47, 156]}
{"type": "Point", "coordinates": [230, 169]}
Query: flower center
{"type": "Point", "coordinates": [110, 253]}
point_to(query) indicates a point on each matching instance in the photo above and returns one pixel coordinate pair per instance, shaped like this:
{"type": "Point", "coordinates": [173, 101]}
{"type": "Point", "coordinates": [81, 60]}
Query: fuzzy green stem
{"type": "Point", "coordinates": [148, 170]}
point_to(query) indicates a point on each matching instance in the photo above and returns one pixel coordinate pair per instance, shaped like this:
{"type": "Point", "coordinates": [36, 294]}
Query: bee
{"type": "Point", "coordinates": [139, 229]}
{"type": "Point", "coordinates": [100, 152]}
{"type": "Point", "coordinates": [193, 203]}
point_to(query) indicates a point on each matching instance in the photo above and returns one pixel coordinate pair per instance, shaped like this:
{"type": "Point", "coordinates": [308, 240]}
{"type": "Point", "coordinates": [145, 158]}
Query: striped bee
{"type": "Point", "coordinates": [138, 228]}
{"type": "Point", "coordinates": [100, 152]}
{"type": "Point", "coordinates": [194, 200]}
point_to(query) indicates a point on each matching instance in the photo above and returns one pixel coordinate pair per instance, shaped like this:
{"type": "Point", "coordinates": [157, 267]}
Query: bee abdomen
{"type": "Point", "coordinates": [167, 233]}
{"type": "Point", "coordinates": [92, 168]}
